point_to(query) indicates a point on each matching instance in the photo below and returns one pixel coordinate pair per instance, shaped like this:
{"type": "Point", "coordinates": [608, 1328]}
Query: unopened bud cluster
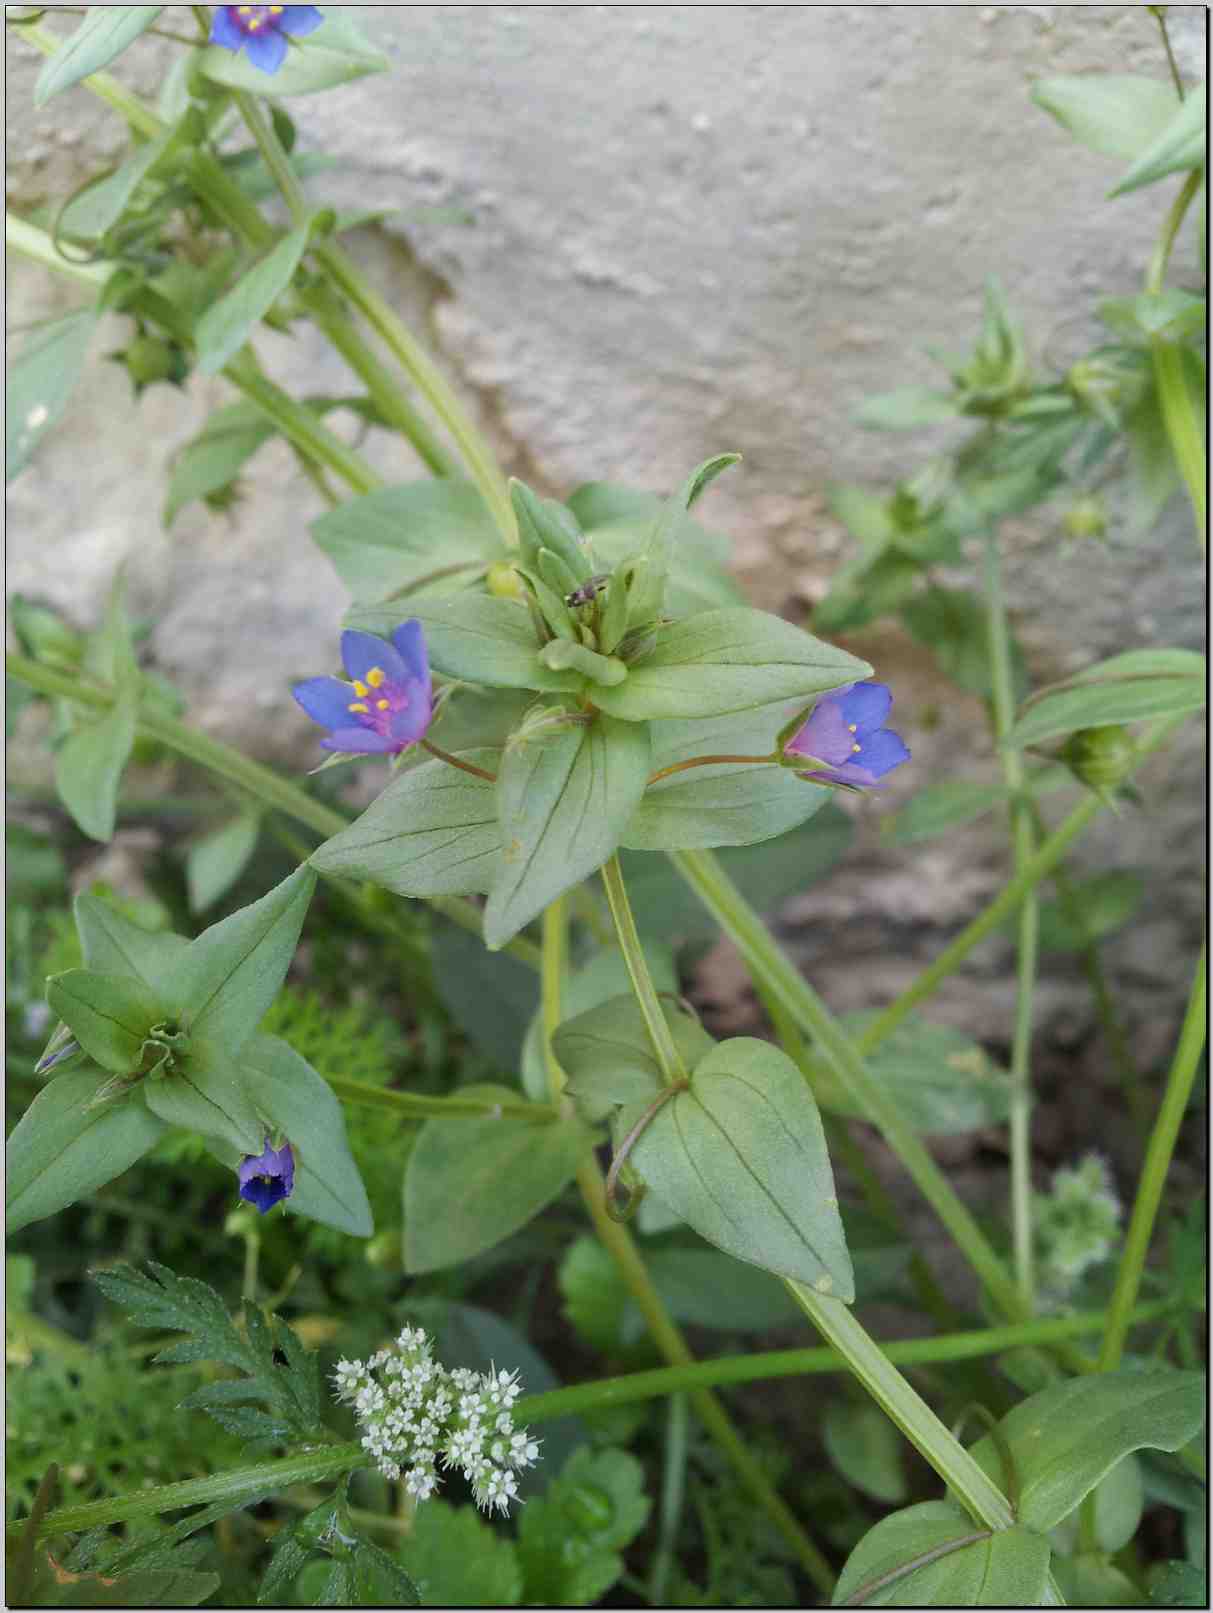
{"type": "Point", "coordinates": [415, 1415]}
{"type": "Point", "coordinates": [1077, 1224]}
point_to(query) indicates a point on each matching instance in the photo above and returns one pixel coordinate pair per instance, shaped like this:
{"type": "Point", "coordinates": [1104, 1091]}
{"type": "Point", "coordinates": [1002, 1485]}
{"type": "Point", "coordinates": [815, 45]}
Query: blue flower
{"type": "Point", "coordinates": [267, 1177]}
{"type": "Point", "coordinates": [262, 31]}
{"type": "Point", "coordinates": [388, 704]}
{"type": "Point", "coordinates": [845, 731]}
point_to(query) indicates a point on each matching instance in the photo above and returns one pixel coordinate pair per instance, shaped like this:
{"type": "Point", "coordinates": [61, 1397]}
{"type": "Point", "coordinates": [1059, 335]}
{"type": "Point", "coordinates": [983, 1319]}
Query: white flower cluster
{"type": "Point", "coordinates": [1077, 1225]}
{"type": "Point", "coordinates": [415, 1414]}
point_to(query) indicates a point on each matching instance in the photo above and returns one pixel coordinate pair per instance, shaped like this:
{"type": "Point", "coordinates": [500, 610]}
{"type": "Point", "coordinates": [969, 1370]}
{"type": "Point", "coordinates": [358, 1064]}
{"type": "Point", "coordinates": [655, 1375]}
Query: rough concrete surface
{"type": "Point", "coordinates": [637, 235]}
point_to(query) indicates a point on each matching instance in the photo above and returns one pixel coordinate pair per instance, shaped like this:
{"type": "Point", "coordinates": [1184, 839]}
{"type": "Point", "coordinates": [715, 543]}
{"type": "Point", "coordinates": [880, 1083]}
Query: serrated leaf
{"type": "Point", "coordinates": [65, 1147]}
{"type": "Point", "coordinates": [569, 1539]}
{"type": "Point", "coordinates": [214, 863]}
{"type": "Point", "coordinates": [865, 1447]}
{"type": "Point", "coordinates": [728, 660]}
{"type": "Point", "coordinates": [1009, 1568]}
{"type": "Point", "coordinates": [225, 327]}
{"type": "Point", "coordinates": [408, 539]}
{"type": "Point", "coordinates": [231, 973]}
{"type": "Point", "coordinates": [206, 1093]}
{"type": "Point", "coordinates": [1117, 114]}
{"type": "Point", "coordinates": [457, 1560]}
{"type": "Point", "coordinates": [40, 380]}
{"type": "Point", "coordinates": [472, 636]}
{"type": "Point", "coordinates": [102, 37]}
{"type": "Point", "coordinates": [89, 765]}
{"type": "Point", "coordinates": [741, 1157]}
{"type": "Point", "coordinates": [337, 53]}
{"type": "Point", "coordinates": [1179, 145]}
{"type": "Point", "coordinates": [432, 832]}
{"type": "Point", "coordinates": [472, 1181]}
{"type": "Point", "coordinates": [1127, 688]}
{"type": "Point", "coordinates": [1066, 1438]}
{"type": "Point", "coordinates": [109, 1015]}
{"type": "Point", "coordinates": [379, 1580]}
{"type": "Point", "coordinates": [114, 944]}
{"type": "Point", "coordinates": [563, 799]}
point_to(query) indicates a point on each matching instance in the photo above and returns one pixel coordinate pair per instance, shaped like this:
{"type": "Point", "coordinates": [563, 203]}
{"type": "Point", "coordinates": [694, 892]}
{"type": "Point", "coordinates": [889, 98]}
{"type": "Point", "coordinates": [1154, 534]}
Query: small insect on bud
{"type": "Point", "coordinates": [1099, 757]}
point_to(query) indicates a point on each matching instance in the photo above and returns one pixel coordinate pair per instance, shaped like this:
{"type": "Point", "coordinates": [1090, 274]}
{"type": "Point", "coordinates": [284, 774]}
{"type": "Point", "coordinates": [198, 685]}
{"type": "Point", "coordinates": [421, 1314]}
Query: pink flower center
{"type": "Point", "coordinates": [378, 701]}
{"type": "Point", "coordinates": [252, 19]}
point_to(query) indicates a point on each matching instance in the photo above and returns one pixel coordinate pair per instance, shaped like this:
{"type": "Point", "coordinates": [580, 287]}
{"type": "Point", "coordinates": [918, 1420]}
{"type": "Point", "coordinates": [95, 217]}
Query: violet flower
{"type": "Point", "coordinates": [267, 1177]}
{"type": "Point", "coordinates": [262, 31]}
{"type": "Point", "coordinates": [386, 707]}
{"type": "Point", "coordinates": [845, 731]}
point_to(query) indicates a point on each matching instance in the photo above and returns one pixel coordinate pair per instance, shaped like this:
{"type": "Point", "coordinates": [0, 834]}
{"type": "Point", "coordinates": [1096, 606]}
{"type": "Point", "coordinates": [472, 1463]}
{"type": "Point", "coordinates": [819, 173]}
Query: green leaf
{"type": "Point", "coordinates": [564, 799]}
{"type": "Point", "coordinates": [943, 1082]}
{"type": "Point", "coordinates": [865, 1447]}
{"type": "Point", "coordinates": [1179, 1584]}
{"type": "Point", "coordinates": [569, 1540]}
{"type": "Point", "coordinates": [225, 328]}
{"type": "Point", "coordinates": [474, 637]}
{"type": "Point", "coordinates": [1117, 114]}
{"type": "Point", "coordinates": [295, 1100]}
{"type": "Point", "coordinates": [1119, 1499]}
{"type": "Point", "coordinates": [1105, 902]}
{"type": "Point", "coordinates": [1171, 314]}
{"type": "Point", "coordinates": [1006, 1569]}
{"type": "Point", "coordinates": [729, 660]}
{"type": "Point", "coordinates": [206, 1093]}
{"type": "Point", "coordinates": [433, 832]}
{"type": "Point", "coordinates": [691, 1282]}
{"type": "Point", "coordinates": [97, 207]}
{"type": "Point", "coordinates": [65, 1147]}
{"type": "Point", "coordinates": [942, 806]}
{"type": "Point", "coordinates": [741, 1157]}
{"type": "Point", "coordinates": [213, 459]}
{"type": "Point", "coordinates": [490, 995]}
{"type": "Point", "coordinates": [458, 1560]}
{"type": "Point", "coordinates": [1180, 145]}
{"type": "Point", "coordinates": [114, 944]}
{"type": "Point", "coordinates": [89, 765]}
{"type": "Point", "coordinates": [153, 1587]}
{"type": "Point", "coordinates": [214, 863]}
{"type": "Point", "coordinates": [109, 1015]}
{"type": "Point", "coordinates": [337, 53]}
{"type": "Point", "coordinates": [471, 1181]}
{"type": "Point", "coordinates": [379, 1580]}
{"type": "Point", "coordinates": [232, 972]}
{"type": "Point", "coordinates": [1090, 1580]}
{"type": "Point", "coordinates": [659, 547]}
{"type": "Point", "coordinates": [1066, 1438]}
{"type": "Point", "coordinates": [907, 407]}
{"type": "Point", "coordinates": [608, 1057]}
{"type": "Point", "coordinates": [618, 521]}
{"type": "Point", "coordinates": [408, 539]}
{"type": "Point", "coordinates": [103, 35]}
{"type": "Point", "coordinates": [1129, 687]}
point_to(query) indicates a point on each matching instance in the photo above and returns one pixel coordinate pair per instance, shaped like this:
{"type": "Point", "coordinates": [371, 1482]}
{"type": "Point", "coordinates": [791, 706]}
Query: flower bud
{"type": "Point", "coordinates": [148, 359]}
{"type": "Point", "coordinates": [504, 582]}
{"type": "Point", "coordinates": [1086, 518]}
{"type": "Point", "coordinates": [1100, 758]}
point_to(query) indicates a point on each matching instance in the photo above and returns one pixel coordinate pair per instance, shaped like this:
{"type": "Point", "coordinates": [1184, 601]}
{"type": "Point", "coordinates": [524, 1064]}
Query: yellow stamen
{"type": "Point", "coordinates": [275, 11]}
{"type": "Point", "coordinates": [360, 706]}
{"type": "Point", "coordinates": [383, 705]}
{"type": "Point", "coordinates": [376, 676]}
{"type": "Point", "coordinates": [245, 10]}
{"type": "Point", "coordinates": [360, 689]}
{"type": "Point", "coordinates": [855, 749]}
{"type": "Point", "coordinates": [852, 727]}
{"type": "Point", "coordinates": [254, 24]}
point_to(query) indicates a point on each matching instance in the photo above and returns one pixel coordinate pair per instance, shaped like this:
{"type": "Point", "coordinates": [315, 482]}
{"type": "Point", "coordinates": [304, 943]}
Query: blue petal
{"type": "Point", "coordinates": [358, 742]}
{"type": "Point", "coordinates": [408, 725]}
{"type": "Point", "coordinates": [825, 735]}
{"type": "Point", "coordinates": [362, 651]}
{"type": "Point", "coordinates": [226, 31]}
{"type": "Point", "coordinates": [882, 752]}
{"type": "Point", "coordinates": [410, 641]}
{"type": "Point", "coordinates": [326, 701]}
{"type": "Point", "coordinates": [266, 49]}
{"type": "Point", "coordinates": [300, 20]}
{"type": "Point", "coordinates": [866, 705]}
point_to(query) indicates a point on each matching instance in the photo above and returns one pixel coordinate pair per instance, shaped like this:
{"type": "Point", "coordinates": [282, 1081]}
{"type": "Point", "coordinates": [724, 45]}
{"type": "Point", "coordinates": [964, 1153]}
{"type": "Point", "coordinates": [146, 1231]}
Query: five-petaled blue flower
{"type": "Point", "coordinates": [388, 704]}
{"type": "Point", "coordinates": [845, 731]}
{"type": "Point", "coordinates": [261, 31]}
{"type": "Point", "coordinates": [267, 1177]}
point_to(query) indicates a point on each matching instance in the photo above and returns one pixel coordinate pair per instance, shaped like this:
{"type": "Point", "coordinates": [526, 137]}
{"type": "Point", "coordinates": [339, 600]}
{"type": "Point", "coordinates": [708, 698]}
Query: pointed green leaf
{"type": "Point", "coordinates": [214, 458]}
{"type": "Point", "coordinates": [230, 975]}
{"type": "Point", "coordinates": [470, 1182]}
{"type": "Point", "coordinates": [206, 1093]}
{"type": "Point", "coordinates": [89, 765]}
{"type": "Point", "coordinates": [337, 53]}
{"type": "Point", "coordinates": [102, 37]}
{"type": "Point", "coordinates": [297, 1101]}
{"type": "Point", "coordinates": [1180, 145]}
{"type": "Point", "coordinates": [225, 328]}
{"type": "Point", "coordinates": [728, 660]}
{"type": "Point", "coordinates": [865, 1447]}
{"type": "Point", "coordinates": [1009, 1568]}
{"type": "Point", "coordinates": [472, 636]}
{"type": "Point", "coordinates": [742, 1158]}
{"type": "Point", "coordinates": [1117, 114]}
{"type": "Point", "coordinates": [908, 407]}
{"type": "Point", "coordinates": [1127, 688]}
{"type": "Point", "coordinates": [214, 863]}
{"type": "Point", "coordinates": [40, 380]}
{"type": "Point", "coordinates": [545, 524]}
{"type": "Point", "coordinates": [564, 800]}
{"type": "Point", "coordinates": [109, 1015]}
{"type": "Point", "coordinates": [65, 1146]}
{"type": "Point", "coordinates": [114, 944]}
{"type": "Point", "coordinates": [433, 832]}
{"type": "Point", "coordinates": [1066, 1438]}
{"type": "Point", "coordinates": [402, 540]}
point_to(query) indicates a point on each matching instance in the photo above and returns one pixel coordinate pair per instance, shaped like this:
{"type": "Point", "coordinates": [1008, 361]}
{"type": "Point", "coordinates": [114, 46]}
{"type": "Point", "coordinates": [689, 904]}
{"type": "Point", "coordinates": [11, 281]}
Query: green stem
{"type": "Point", "coordinates": [34, 243]}
{"type": "Point", "coordinates": [1023, 845]}
{"type": "Point", "coordinates": [1160, 17]}
{"type": "Point", "coordinates": [417, 1106]}
{"type": "Point", "coordinates": [300, 425]}
{"type": "Point", "coordinates": [764, 959]}
{"type": "Point", "coordinates": [620, 1245]}
{"type": "Point", "coordinates": [904, 1406]}
{"type": "Point", "coordinates": [1179, 415]}
{"type": "Point", "coordinates": [129, 106]}
{"type": "Point", "coordinates": [1154, 1171]}
{"type": "Point", "coordinates": [655, 1021]}
{"type": "Point", "coordinates": [673, 1494]}
{"type": "Point", "coordinates": [1006, 903]}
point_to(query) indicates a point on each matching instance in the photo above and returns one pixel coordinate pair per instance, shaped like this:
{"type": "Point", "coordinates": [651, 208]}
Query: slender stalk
{"type": "Point", "coordinates": [1154, 1172]}
{"type": "Point", "coordinates": [619, 1243]}
{"type": "Point", "coordinates": [34, 243]}
{"type": "Point", "coordinates": [300, 425]}
{"type": "Point", "coordinates": [712, 761]}
{"type": "Point", "coordinates": [1023, 845]}
{"type": "Point", "coordinates": [140, 117]}
{"type": "Point", "coordinates": [418, 1106]}
{"type": "Point", "coordinates": [1160, 17]}
{"type": "Point", "coordinates": [655, 1021]}
{"type": "Point", "coordinates": [673, 1494]}
{"type": "Point", "coordinates": [454, 761]}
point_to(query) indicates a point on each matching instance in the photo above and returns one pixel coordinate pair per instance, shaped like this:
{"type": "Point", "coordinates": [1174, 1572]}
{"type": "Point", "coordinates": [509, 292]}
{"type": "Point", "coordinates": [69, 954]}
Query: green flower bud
{"type": "Point", "coordinates": [148, 359]}
{"type": "Point", "coordinates": [1086, 518]}
{"type": "Point", "coordinates": [1100, 758]}
{"type": "Point", "coordinates": [504, 582]}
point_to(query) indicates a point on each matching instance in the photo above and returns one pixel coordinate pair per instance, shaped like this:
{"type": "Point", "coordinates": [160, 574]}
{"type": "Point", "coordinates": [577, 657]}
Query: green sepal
{"type": "Point", "coordinates": [556, 572]}
{"type": "Point", "coordinates": [544, 524]}
{"type": "Point", "coordinates": [562, 655]}
{"type": "Point", "coordinates": [550, 602]}
{"type": "Point", "coordinates": [110, 1015]}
